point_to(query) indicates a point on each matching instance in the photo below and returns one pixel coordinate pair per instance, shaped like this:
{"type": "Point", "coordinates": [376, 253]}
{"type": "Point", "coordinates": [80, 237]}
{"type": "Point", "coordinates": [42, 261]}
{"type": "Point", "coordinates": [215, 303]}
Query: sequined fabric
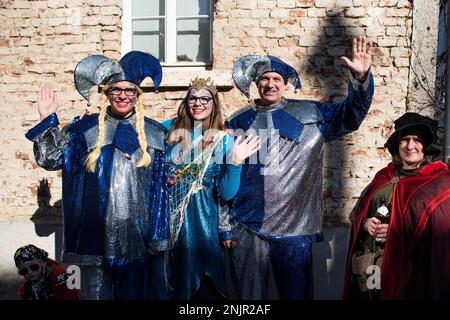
{"type": "Point", "coordinates": [111, 217]}
{"type": "Point", "coordinates": [138, 65]}
{"type": "Point", "coordinates": [288, 173]}
{"type": "Point", "coordinates": [246, 267]}
{"type": "Point", "coordinates": [288, 179]}
{"type": "Point", "coordinates": [289, 265]}
{"type": "Point", "coordinates": [96, 284]}
{"type": "Point", "coordinates": [97, 70]}
{"type": "Point", "coordinates": [127, 217]}
{"type": "Point", "coordinates": [277, 211]}
{"type": "Point", "coordinates": [198, 251]}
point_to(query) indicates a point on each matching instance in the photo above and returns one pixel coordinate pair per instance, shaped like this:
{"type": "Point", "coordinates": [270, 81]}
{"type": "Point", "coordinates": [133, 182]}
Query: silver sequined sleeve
{"type": "Point", "coordinates": [49, 148]}
{"type": "Point", "coordinates": [224, 218]}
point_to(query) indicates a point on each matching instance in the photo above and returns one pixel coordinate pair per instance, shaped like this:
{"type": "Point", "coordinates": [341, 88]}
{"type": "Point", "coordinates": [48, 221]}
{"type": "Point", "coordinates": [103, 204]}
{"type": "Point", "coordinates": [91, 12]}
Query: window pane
{"type": "Point", "coordinates": [193, 40]}
{"type": "Point", "coordinates": [193, 7]}
{"type": "Point", "coordinates": [145, 8]}
{"type": "Point", "coordinates": [148, 36]}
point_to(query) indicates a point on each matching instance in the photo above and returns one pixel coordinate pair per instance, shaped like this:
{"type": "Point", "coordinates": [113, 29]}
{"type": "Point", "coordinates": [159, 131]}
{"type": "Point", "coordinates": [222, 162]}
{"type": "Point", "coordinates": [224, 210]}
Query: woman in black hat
{"type": "Point", "coordinates": [44, 278]}
{"type": "Point", "coordinates": [379, 244]}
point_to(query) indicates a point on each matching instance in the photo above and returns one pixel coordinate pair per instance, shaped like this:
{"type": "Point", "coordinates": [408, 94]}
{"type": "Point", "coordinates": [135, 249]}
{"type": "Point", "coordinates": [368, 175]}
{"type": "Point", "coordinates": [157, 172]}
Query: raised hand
{"type": "Point", "coordinates": [47, 101]}
{"type": "Point", "coordinates": [243, 150]}
{"type": "Point", "coordinates": [361, 57]}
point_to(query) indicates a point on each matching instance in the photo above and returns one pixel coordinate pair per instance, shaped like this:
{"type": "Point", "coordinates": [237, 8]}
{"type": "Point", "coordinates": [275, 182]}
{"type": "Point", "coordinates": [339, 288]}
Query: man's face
{"type": "Point", "coordinates": [410, 148]}
{"type": "Point", "coordinates": [122, 97]}
{"type": "Point", "coordinates": [271, 88]}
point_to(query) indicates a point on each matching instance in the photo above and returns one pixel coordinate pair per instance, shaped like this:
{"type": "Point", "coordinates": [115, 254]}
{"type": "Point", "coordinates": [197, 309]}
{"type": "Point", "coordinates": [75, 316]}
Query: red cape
{"type": "Point", "coordinates": [394, 261]}
{"type": "Point", "coordinates": [427, 275]}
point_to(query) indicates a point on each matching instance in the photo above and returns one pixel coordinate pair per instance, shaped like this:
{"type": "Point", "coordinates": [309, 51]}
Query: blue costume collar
{"type": "Point", "coordinates": [125, 138]}
{"type": "Point", "coordinates": [287, 125]}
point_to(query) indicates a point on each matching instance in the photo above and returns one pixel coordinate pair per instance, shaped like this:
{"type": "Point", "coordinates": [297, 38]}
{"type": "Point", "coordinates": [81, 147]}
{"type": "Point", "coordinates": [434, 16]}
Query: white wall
{"type": "Point", "coordinates": [14, 234]}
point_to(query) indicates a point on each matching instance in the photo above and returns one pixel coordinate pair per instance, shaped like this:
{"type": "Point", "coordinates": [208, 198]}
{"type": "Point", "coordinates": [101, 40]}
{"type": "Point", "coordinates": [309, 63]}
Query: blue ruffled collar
{"type": "Point", "coordinates": [287, 125]}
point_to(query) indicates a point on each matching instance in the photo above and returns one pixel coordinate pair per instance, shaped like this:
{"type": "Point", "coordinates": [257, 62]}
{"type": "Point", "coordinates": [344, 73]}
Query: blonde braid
{"type": "Point", "coordinates": [91, 160]}
{"type": "Point", "coordinates": [145, 158]}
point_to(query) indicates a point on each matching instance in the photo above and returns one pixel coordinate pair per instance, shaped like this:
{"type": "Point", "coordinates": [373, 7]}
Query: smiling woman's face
{"type": "Point", "coordinates": [122, 97]}
{"type": "Point", "coordinates": [200, 104]}
{"type": "Point", "coordinates": [410, 149]}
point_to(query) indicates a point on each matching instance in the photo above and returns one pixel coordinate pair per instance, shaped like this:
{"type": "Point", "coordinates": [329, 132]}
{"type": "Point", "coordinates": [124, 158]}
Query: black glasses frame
{"type": "Point", "coordinates": [203, 99]}
{"type": "Point", "coordinates": [118, 91]}
{"type": "Point", "coordinates": [32, 267]}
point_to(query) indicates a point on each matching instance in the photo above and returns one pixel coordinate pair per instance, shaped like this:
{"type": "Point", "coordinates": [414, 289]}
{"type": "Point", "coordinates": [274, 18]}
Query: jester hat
{"type": "Point", "coordinates": [250, 68]}
{"type": "Point", "coordinates": [98, 70]}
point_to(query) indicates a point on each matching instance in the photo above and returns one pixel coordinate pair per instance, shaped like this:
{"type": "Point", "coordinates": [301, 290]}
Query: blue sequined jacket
{"type": "Point", "coordinates": [280, 196]}
{"type": "Point", "coordinates": [117, 213]}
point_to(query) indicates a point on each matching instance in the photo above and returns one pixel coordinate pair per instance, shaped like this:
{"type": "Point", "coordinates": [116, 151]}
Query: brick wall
{"type": "Point", "coordinates": [41, 41]}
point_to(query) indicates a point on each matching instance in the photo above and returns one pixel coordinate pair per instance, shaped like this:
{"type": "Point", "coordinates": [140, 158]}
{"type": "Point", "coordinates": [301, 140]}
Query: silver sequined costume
{"type": "Point", "coordinates": [114, 215]}
{"type": "Point", "coordinates": [278, 209]}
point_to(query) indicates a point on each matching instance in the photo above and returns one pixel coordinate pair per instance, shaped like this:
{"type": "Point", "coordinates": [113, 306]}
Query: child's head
{"type": "Point", "coordinates": [29, 261]}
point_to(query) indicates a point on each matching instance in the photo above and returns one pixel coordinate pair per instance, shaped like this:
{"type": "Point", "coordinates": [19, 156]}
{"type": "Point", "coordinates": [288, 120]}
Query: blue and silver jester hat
{"type": "Point", "coordinates": [97, 70]}
{"type": "Point", "coordinates": [250, 68]}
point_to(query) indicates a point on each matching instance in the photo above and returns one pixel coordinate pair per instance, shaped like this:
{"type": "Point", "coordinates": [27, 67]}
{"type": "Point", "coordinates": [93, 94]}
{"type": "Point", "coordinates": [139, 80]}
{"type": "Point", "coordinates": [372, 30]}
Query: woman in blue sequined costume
{"type": "Point", "coordinates": [115, 205]}
{"type": "Point", "coordinates": [197, 258]}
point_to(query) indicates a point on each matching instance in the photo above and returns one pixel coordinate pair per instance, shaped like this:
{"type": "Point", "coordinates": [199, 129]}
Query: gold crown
{"type": "Point", "coordinates": [202, 83]}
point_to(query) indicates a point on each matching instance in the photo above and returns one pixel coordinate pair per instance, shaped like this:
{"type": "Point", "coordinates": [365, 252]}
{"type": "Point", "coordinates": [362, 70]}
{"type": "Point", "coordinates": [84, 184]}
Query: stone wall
{"type": "Point", "coordinates": [41, 41]}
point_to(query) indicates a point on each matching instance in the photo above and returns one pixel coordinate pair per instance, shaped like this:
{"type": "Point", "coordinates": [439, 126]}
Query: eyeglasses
{"type": "Point", "coordinates": [118, 91]}
{"type": "Point", "coordinates": [31, 268]}
{"type": "Point", "coordinates": [203, 99]}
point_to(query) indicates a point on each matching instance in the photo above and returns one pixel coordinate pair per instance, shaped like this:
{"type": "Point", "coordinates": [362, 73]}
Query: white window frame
{"type": "Point", "coordinates": [170, 33]}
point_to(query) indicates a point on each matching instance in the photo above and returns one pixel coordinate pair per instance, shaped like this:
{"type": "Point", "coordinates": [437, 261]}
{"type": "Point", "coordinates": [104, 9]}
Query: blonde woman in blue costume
{"type": "Point", "coordinates": [113, 165]}
{"type": "Point", "coordinates": [198, 230]}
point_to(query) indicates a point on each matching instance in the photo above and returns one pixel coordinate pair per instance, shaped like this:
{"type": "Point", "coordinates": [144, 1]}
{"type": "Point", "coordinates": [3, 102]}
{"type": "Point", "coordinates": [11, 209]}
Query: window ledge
{"type": "Point", "coordinates": [179, 78]}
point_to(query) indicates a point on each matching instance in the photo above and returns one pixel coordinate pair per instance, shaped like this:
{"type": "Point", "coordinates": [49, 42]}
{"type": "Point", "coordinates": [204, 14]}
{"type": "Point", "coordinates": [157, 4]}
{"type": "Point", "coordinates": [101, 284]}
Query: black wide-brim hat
{"type": "Point", "coordinates": [410, 122]}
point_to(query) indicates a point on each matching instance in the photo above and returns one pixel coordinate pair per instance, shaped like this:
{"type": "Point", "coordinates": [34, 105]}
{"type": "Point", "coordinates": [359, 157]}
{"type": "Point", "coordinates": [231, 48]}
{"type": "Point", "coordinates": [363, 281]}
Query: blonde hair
{"type": "Point", "coordinates": [91, 160]}
{"type": "Point", "coordinates": [140, 124]}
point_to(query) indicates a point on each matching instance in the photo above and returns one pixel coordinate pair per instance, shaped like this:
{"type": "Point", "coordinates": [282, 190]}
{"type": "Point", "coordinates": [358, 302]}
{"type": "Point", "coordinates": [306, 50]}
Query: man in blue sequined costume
{"type": "Point", "coordinates": [114, 193]}
{"type": "Point", "coordinates": [277, 212]}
